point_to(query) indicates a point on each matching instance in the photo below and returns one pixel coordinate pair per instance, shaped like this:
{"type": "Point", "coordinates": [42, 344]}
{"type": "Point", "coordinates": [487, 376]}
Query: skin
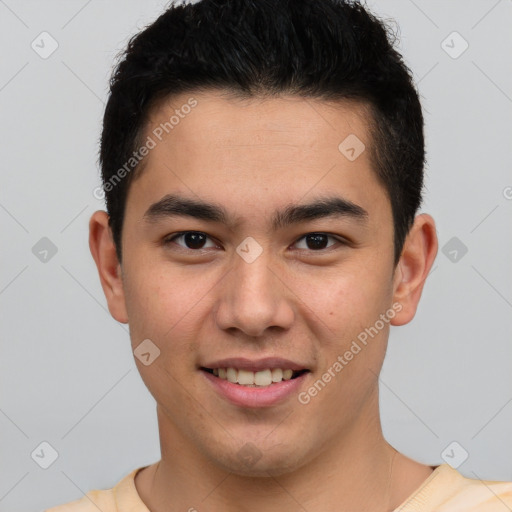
{"type": "Point", "coordinates": [294, 301]}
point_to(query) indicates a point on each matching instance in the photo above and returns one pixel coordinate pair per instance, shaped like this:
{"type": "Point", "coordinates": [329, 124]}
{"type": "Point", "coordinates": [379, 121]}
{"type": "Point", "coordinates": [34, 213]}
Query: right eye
{"type": "Point", "coordinates": [193, 240]}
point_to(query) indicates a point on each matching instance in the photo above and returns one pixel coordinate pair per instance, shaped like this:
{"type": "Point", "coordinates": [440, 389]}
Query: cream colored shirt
{"type": "Point", "coordinates": [445, 490]}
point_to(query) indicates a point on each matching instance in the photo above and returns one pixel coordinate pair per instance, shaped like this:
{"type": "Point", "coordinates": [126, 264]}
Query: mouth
{"type": "Point", "coordinates": [264, 388]}
{"type": "Point", "coordinates": [260, 379]}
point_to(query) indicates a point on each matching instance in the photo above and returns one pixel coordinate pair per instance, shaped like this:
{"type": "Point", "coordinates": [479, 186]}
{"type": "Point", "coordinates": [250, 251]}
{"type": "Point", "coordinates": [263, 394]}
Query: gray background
{"type": "Point", "coordinates": [67, 373]}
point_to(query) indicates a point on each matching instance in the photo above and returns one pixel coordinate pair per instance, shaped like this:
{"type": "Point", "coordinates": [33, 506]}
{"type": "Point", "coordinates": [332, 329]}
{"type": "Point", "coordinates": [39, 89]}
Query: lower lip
{"type": "Point", "coordinates": [256, 397]}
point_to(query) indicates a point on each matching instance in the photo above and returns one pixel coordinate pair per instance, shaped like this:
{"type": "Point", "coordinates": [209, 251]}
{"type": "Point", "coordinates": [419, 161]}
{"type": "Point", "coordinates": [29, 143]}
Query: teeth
{"type": "Point", "coordinates": [245, 377]}
{"type": "Point", "coordinates": [263, 378]}
{"type": "Point", "coordinates": [277, 375]}
{"type": "Point", "coordinates": [232, 375]}
{"type": "Point", "coordinates": [253, 379]}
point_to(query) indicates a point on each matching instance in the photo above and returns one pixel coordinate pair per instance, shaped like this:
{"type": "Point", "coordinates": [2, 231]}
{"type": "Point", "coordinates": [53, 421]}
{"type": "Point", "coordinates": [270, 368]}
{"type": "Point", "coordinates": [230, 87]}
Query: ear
{"type": "Point", "coordinates": [416, 260]}
{"type": "Point", "coordinates": [103, 251]}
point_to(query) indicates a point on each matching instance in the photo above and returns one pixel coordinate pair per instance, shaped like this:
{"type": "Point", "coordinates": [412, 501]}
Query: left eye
{"type": "Point", "coordinates": [317, 240]}
{"type": "Point", "coordinates": [195, 240]}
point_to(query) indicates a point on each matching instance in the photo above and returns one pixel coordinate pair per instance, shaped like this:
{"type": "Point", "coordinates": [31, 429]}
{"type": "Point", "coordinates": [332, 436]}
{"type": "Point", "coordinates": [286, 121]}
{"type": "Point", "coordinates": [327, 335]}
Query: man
{"type": "Point", "coordinates": [263, 167]}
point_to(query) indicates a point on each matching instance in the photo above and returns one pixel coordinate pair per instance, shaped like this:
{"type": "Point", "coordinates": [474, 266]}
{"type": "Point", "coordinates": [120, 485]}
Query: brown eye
{"type": "Point", "coordinates": [317, 241]}
{"type": "Point", "coordinates": [193, 240]}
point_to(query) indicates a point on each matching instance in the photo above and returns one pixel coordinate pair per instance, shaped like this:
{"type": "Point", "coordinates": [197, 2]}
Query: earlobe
{"type": "Point", "coordinates": [416, 260]}
{"type": "Point", "coordinates": [104, 254]}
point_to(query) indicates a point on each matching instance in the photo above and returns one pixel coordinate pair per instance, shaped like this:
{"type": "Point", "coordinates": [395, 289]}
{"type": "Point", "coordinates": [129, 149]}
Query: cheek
{"type": "Point", "coordinates": [164, 307]}
{"type": "Point", "coordinates": [347, 298]}
{"type": "Point", "coordinates": [161, 309]}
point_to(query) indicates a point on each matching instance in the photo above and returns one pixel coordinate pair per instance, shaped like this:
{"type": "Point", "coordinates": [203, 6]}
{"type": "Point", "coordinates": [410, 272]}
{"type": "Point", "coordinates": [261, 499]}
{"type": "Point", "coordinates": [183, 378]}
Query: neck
{"type": "Point", "coordinates": [347, 472]}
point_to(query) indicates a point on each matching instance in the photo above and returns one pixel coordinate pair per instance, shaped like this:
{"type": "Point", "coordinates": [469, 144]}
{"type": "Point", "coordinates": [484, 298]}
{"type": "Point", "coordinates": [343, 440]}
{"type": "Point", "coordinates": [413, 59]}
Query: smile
{"type": "Point", "coordinates": [262, 378]}
{"type": "Point", "coordinates": [263, 388]}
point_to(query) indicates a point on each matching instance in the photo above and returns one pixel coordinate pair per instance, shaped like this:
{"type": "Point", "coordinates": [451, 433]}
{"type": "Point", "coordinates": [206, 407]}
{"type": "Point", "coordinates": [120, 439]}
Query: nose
{"type": "Point", "coordinates": [253, 297]}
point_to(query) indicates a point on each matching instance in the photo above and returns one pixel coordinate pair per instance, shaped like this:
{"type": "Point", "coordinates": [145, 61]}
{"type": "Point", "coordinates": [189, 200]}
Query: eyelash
{"type": "Point", "coordinates": [171, 238]}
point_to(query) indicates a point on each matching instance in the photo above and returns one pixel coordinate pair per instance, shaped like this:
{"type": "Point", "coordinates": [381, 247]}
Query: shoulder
{"type": "Point", "coordinates": [447, 490]}
{"type": "Point", "coordinates": [91, 502]}
{"type": "Point", "coordinates": [475, 495]}
{"type": "Point", "coordinates": [116, 499]}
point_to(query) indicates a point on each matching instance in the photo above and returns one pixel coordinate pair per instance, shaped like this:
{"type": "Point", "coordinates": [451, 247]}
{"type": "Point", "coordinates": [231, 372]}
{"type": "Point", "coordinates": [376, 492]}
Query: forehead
{"type": "Point", "coordinates": [257, 150]}
{"type": "Point", "coordinates": [222, 117]}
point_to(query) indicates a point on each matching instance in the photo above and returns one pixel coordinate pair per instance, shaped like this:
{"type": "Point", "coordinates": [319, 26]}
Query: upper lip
{"type": "Point", "coordinates": [242, 363]}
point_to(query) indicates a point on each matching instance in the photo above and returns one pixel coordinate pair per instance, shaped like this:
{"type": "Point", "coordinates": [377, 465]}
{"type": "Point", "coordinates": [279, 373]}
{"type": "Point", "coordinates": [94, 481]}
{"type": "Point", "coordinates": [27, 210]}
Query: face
{"type": "Point", "coordinates": [263, 275]}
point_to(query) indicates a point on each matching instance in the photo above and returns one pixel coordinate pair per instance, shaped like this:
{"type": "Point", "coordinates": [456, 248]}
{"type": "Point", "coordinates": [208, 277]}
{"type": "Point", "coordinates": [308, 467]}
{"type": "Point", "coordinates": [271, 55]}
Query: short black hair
{"type": "Point", "coordinates": [323, 49]}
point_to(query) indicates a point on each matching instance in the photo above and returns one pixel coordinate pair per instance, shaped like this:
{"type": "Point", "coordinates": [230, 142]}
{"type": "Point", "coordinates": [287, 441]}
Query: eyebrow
{"type": "Point", "coordinates": [177, 206]}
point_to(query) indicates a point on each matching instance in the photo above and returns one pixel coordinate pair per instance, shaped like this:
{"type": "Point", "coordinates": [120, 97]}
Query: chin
{"type": "Point", "coordinates": [255, 460]}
